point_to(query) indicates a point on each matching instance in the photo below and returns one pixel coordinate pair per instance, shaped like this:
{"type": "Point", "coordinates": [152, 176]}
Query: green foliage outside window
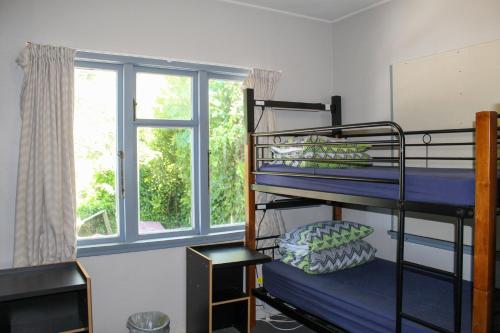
{"type": "Point", "coordinates": [226, 152]}
{"type": "Point", "coordinates": [165, 176]}
{"type": "Point", "coordinates": [164, 158]}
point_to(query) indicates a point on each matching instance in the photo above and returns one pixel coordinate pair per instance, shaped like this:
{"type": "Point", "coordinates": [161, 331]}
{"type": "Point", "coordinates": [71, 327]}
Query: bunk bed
{"type": "Point", "coordinates": [379, 296]}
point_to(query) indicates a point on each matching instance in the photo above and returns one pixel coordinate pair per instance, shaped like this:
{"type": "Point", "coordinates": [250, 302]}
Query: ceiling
{"type": "Point", "coordinates": [323, 10]}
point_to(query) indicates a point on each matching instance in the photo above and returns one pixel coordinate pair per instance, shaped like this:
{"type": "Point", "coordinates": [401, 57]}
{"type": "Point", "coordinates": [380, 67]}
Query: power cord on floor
{"type": "Point", "coordinates": [270, 323]}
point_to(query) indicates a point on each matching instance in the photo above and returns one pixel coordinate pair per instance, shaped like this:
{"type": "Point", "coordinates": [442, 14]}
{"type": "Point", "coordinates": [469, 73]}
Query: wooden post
{"type": "Point", "coordinates": [337, 213]}
{"type": "Point", "coordinates": [250, 223]}
{"type": "Point", "coordinates": [484, 226]}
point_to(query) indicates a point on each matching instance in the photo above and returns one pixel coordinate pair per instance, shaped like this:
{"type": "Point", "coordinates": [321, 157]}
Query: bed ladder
{"type": "Point", "coordinates": [455, 277]}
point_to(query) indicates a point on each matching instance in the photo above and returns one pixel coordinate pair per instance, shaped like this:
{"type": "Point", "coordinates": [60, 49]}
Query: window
{"type": "Point", "coordinates": [165, 179]}
{"type": "Point", "coordinates": [158, 153]}
{"type": "Point", "coordinates": [95, 138]}
{"type": "Point", "coordinates": [226, 133]}
{"type": "Point", "coordinates": [165, 146]}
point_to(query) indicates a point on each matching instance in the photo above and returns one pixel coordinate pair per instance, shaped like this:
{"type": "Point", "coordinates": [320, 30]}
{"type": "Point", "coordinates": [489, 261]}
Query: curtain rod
{"type": "Point", "coordinates": [157, 58]}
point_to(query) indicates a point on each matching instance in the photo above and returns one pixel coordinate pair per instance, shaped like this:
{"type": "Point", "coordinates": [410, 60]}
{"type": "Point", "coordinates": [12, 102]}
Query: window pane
{"type": "Point", "coordinates": [95, 151]}
{"type": "Point", "coordinates": [160, 96]}
{"type": "Point", "coordinates": [165, 190]}
{"type": "Point", "coordinates": [226, 152]}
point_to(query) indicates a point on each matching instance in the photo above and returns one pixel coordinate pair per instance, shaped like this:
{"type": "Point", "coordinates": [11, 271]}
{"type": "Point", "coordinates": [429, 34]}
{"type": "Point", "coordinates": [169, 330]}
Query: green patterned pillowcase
{"type": "Point", "coordinates": [343, 150]}
{"type": "Point", "coordinates": [331, 260]}
{"type": "Point", "coordinates": [335, 160]}
{"type": "Point", "coordinates": [323, 235]}
{"type": "Point", "coordinates": [341, 146]}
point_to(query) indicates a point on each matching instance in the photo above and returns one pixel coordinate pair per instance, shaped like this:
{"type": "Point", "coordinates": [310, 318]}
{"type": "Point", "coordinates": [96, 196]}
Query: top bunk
{"type": "Point", "coordinates": [375, 164]}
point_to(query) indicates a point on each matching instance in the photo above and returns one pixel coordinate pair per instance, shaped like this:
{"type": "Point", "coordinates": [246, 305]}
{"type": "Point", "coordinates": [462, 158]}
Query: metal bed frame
{"type": "Point", "coordinates": [393, 140]}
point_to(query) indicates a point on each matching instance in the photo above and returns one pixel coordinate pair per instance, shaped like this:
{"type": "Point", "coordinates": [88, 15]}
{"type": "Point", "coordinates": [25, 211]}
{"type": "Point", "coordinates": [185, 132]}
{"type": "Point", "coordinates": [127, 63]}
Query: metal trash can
{"type": "Point", "coordinates": [148, 322]}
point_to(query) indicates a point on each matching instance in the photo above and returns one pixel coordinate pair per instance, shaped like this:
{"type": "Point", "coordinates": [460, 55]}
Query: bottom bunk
{"type": "Point", "coordinates": [362, 299]}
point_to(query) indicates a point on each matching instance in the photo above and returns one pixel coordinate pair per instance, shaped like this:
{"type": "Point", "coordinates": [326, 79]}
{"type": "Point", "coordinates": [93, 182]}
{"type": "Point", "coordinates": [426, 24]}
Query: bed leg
{"type": "Point", "coordinates": [459, 240]}
{"type": "Point", "coordinates": [399, 271]}
{"type": "Point", "coordinates": [250, 240]}
{"type": "Point", "coordinates": [484, 224]}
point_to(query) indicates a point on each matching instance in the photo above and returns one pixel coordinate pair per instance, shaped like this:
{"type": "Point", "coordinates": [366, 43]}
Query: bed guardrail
{"type": "Point", "coordinates": [390, 145]}
{"type": "Point", "coordinates": [268, 250]}
{"type": "Point", "coordinates": [262, 152]}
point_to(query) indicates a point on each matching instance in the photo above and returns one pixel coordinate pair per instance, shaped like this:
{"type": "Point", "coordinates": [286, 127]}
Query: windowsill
{"type": "Point", "coordinates": [158, 243]}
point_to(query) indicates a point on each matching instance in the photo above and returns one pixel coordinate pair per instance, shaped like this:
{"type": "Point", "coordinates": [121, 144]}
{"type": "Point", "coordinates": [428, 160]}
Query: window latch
{"type": "Point", "coordinates": [122, 178]}
{"type": "Point", "coordinates": [134, 108]}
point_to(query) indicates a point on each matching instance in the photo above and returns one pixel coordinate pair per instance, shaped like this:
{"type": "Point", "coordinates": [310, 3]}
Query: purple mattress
{"type": "Point", "coordinates": [454, 187]}
{"type": "Point", "coordinates": [363, 299]}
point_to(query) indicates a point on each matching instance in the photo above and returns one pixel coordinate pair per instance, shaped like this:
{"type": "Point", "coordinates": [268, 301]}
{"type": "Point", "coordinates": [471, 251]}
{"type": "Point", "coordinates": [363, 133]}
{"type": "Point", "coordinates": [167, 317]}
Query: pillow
{"type": "Point", "coordinates": [344, 151]}
{"type": "Point", "coordinates": [336, 160]}
{"type": "Point", "coordinates": [345, 147]}
{"type": "Point", "coordinates": [331, 260]}
{"type": "Point", "coordinates": [323, 235]}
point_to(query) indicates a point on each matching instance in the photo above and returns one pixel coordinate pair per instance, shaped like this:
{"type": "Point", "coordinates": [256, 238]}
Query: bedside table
{"type": "Point", "coordinates": [217, 297]}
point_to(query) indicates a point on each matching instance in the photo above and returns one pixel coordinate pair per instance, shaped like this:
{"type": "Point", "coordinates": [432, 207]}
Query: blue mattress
{"type": "Point", "coordinates": [454, 187]}
{"type": "Point", "coordinates": [362, 299]}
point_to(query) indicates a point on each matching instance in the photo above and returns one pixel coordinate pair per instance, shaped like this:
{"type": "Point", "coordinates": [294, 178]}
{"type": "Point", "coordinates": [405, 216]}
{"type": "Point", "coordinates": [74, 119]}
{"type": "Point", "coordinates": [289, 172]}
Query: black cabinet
{"type": "Point", "coordinates": [216, 295]}
{"type": "Point", "coordinates": [45, 299]}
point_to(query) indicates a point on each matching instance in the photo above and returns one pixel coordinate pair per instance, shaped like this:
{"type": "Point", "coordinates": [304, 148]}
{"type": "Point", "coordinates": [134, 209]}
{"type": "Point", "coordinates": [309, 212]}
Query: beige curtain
{"type": "Point", "coordinates": [264, 82]}
{"type": "Point", "coordinates": [45, 202]}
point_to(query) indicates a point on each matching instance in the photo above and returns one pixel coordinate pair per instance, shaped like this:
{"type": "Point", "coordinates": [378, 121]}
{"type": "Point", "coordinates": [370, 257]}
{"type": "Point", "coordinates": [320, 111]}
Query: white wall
{"type": "Point", "coordinates": [195, 30]}
{"type": "Point", "coordinates": [366, 45]}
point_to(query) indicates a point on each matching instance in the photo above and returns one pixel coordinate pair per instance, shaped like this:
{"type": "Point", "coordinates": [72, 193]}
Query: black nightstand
{"type": "Point", "coordinates": [216, 295]}
{"type": "Point", "coordinates": [46, 298]}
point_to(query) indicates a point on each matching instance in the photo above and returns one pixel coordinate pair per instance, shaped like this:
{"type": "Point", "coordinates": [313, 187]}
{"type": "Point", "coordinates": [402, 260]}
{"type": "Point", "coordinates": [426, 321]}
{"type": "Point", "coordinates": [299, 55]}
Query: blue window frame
{"type": "Point", "coordinates": [128, 236]}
